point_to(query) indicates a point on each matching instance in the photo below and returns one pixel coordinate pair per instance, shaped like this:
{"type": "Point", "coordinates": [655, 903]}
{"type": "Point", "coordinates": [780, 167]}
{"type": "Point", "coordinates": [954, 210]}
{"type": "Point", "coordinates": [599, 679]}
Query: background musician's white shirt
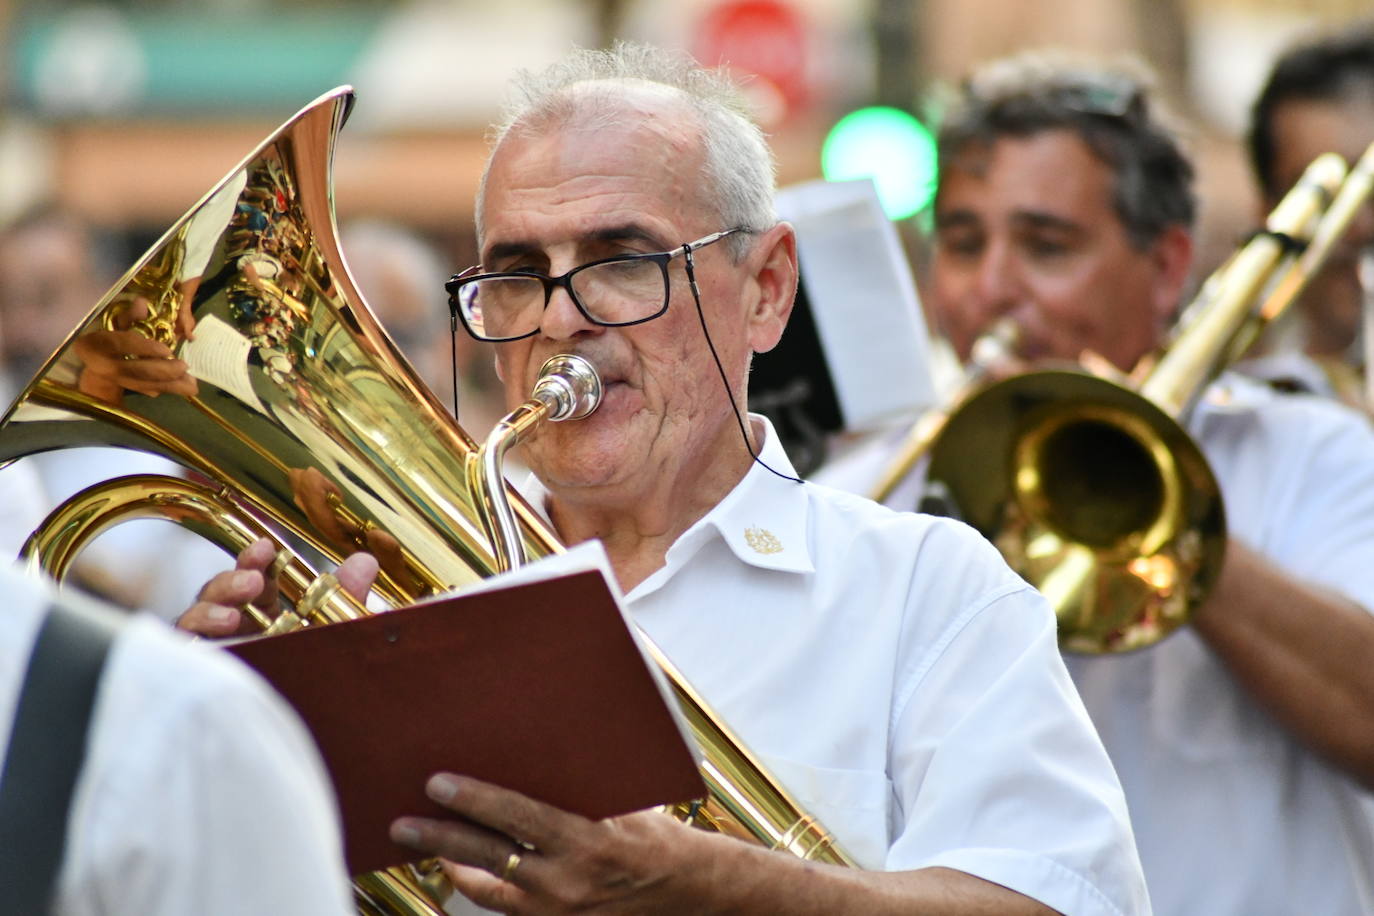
{"type": "Point", "coordinates": [1232, 815]}
{"type": "Point", "coordinates": [22, 508]}
{"type": "Point", "coordinates": [901, 682]}
{"type": "Point", "coordinates": [23, 499]}
{"type": "Point", "coordinates": [202, 792]}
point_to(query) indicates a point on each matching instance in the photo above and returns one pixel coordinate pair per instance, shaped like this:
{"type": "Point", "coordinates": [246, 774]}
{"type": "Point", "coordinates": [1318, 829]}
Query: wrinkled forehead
{"type": "Point", "coordinates": [1056, 161]}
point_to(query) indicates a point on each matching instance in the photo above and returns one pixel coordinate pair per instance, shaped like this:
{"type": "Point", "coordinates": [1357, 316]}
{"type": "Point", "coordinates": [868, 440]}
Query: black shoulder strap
{"type": "Point", "coordinates": [46, 750]}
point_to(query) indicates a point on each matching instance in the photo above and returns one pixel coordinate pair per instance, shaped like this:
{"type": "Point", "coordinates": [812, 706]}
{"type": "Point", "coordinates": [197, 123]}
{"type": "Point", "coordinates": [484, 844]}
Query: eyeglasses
{"type": "Point", "coordinates": [612, 292]}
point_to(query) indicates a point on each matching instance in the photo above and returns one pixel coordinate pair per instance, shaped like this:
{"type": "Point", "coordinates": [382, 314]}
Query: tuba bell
{"type": "Point", "coordinates": [1089, 485]}
{"type": "Point", "coordinates": [240, 348]}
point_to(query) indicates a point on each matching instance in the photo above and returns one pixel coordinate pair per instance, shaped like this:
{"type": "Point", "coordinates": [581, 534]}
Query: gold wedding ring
{"type": "Point", "coordinates": [512, 863]}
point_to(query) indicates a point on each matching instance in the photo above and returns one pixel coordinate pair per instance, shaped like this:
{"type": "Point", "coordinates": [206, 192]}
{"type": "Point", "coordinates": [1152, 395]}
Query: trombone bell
{"type": "Point", "coordinates": [1095, 496]}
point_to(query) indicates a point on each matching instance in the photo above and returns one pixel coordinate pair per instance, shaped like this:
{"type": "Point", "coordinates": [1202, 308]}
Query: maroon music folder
{"type": "Point", "coordinates": [537, 687]}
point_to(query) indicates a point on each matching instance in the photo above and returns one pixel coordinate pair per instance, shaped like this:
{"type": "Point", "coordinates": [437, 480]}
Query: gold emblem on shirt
{"type": "Point", "coordinates": [762, 540]}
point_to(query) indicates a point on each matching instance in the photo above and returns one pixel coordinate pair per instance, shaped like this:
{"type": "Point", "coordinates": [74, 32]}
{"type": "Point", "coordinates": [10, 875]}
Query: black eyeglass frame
{"type": "Point", "coordinates": [564, 281]}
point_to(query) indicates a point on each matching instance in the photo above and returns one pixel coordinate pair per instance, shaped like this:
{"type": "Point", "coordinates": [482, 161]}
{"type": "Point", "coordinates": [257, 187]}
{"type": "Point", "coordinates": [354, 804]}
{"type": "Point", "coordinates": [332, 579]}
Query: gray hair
{"type": "Point", "coordinates": [739, 172]}
{"type": "Point", "coordinates": [1107, 105]}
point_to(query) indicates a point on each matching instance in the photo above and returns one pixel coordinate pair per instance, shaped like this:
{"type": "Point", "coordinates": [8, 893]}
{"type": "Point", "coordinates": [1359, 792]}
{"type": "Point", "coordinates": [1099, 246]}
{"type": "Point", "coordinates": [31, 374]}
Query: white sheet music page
{"type": "Point", "coordinates": [218, 354]}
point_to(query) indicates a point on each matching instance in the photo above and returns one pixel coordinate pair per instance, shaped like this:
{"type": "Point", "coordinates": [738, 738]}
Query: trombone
{"type": "Point", "coordinates": [1088, 485]}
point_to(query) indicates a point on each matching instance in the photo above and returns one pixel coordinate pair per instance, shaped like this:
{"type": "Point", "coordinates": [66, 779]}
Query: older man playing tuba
{"type": "Point", "coordinates": [889, 668]}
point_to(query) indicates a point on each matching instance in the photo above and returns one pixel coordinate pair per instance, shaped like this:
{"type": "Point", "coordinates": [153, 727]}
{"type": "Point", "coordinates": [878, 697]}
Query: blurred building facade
{"type": "Point", "coordinates": [126, 113]}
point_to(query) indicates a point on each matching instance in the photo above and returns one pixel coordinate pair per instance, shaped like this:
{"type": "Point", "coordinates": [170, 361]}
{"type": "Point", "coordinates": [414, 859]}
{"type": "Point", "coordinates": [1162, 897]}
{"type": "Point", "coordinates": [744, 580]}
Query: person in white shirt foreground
{"type": "Point", "coordinates": [890, 669]}
{"type": "Point", "coordinates": [1244, 740]}
{"type": "Point", "coordinates": [200, 792]}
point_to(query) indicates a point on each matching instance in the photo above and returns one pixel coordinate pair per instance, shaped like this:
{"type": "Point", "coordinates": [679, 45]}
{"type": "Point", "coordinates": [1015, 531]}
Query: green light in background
{"type": "Point", "coordinates": [890, 146]}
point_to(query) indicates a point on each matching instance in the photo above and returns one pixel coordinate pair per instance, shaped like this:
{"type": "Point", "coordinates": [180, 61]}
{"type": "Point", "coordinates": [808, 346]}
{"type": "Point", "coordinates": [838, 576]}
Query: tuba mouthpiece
{"type": "Point", "coordinates": [569, 385]}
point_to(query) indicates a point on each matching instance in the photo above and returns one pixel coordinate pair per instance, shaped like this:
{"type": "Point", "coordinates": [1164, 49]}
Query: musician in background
{"type": "Point", "coordinates": [1320, 98]}
{"type": "Point", "coordinates": [45, 268]}
{"type": "Point", "coordinates": [54, 268]}
{"type": "Point", "coordinates": [199, 791]}
{"type": "Point", "coordinates": [1243, 740]}
{"type": "Point", "coordinates": [890, 669]}
{"type": "Point", "coordinates": [22, 501]}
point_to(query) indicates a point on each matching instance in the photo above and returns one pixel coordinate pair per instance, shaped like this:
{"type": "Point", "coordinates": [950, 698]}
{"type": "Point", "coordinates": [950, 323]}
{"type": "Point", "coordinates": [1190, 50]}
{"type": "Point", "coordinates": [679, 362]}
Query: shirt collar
{"type": "Point", "coordinates": [763, 519]}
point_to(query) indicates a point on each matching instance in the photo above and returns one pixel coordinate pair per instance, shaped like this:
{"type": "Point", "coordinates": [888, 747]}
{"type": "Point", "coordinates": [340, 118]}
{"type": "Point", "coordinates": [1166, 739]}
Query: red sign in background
{"type": "Point", "coordinates": [762, 39]}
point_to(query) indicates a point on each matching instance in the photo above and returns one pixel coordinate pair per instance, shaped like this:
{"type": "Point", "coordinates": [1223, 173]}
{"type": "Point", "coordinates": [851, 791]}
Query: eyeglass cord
{"type": "Point", "coordinates": [453, 354]}
{"type": "Point", "coordinates": [725, 381]}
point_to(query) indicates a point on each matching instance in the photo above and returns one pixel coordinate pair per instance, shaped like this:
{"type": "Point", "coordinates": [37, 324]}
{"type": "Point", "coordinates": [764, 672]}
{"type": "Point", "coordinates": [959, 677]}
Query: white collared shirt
{"type": "Point", "coordinates": [22, 508]}
{"type": "Point", "coordinates": [901, 682]}
{"type": "Point", "coordinates": [23, 501]}
{"type": "Point", "coordinates": [201, 793]}
{"type": "Point", "coordinates": [1232, 815]}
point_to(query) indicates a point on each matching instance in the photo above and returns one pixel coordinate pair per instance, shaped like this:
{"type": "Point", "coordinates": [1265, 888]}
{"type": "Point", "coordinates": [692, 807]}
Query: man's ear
{"type": "Point", "coordinates": [775, 279]}
{"type": "Point", "coordinates": [1172, 254]}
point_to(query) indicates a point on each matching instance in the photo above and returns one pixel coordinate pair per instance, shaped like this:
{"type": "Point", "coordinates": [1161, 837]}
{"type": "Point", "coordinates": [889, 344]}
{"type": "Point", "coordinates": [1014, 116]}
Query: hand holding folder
{"type": "Point", "coordinates": [537, 686]}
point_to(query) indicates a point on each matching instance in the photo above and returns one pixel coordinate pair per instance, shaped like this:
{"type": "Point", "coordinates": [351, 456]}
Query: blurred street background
{"type": "Point", "coordinates": [123, 114]}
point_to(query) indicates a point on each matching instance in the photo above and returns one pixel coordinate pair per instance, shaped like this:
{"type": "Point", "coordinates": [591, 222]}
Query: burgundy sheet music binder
{"type": "Point", "coordinates": [538, 687]}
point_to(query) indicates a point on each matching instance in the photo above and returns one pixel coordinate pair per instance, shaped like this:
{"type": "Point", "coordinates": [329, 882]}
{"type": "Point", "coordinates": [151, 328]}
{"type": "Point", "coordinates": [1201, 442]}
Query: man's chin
{"type": "Point", "coordinates": [598, 452]}
{"type": "Point", "coordinates": [576, 468]}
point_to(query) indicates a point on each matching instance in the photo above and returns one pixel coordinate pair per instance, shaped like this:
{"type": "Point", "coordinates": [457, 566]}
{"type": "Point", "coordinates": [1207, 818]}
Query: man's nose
{"type": "Point", "coordinates": [997, 286]}
{"type": "Point", "coordinates": [562, 319]}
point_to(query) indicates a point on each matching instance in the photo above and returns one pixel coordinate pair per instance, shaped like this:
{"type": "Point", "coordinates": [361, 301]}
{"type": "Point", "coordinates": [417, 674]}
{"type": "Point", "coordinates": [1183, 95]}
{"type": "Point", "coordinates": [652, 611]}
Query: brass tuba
{"type": "Point", "coordinates": [306, 418]}
{"type": "Point", "coordinates": [1089, 485]}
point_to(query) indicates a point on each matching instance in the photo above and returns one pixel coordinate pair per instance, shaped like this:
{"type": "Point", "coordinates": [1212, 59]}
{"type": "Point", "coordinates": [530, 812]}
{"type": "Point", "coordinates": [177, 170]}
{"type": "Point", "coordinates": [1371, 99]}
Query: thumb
{"type": "Point", "coordinates": [357, 573]}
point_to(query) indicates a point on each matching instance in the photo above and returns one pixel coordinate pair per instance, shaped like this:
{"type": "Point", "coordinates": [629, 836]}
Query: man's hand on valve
{"type": "Point", "coordinates": [323, 503]}
{"type": "Point", "coordinates": [217, 613]}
